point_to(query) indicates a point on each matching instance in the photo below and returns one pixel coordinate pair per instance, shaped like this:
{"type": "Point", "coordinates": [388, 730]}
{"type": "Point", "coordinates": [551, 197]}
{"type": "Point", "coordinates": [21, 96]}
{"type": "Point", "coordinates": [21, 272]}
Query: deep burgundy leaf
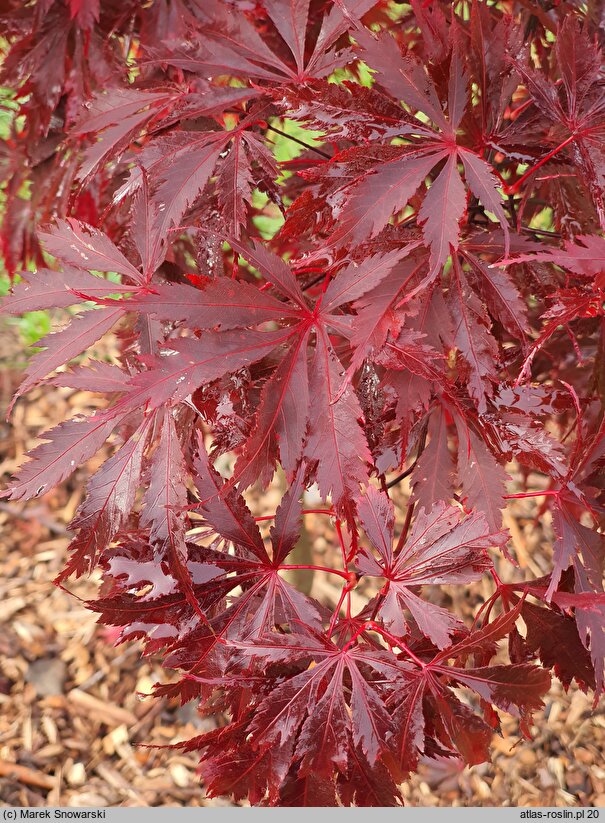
{"type": "Point", "coordinates": [68, 445]}
{"type": "Point", "coordinates": [376, 317]}
{"type": "Point", "coordinates": [403, 76]}
{"type": "Point", "coordinates": [225, 512]}
{"type": "Point", "coordinates": [508, 687]}
{"type": "Point", "coordinates": [481, 477]}
{"type": "Point", "coordinates": [376, 197]}
{"type": "Point", "coordinates": [48, 289]}
{"type": "Point", "coordinates": [322, 684]}
{"type": "Point", "coordinates": [355, 280]}
{"type": "Point", "coordinates": [62, 346]}
{"type": "Point", "coordinates": [585, 256]}
{"type": "Point", "coordinates": [290, 20]}
{"type": "Point", "coordinates": [433, 476]}
{"type": "Point", "coordinates": [113, 117]}
{"type": "Point", "coordinates": [471, 337]}
{"type": "Point", "coordinates": [555, 638]}
{"type": "Point", "coordinates": [441, 548]}
{"type": "Point", "coordinates": [273, 269]}
{"type": "Point", "coordinates": [240, 304]}
{"type": "Point", "coordinates": [441, 211]}
{"type": "Point", "coordinates": [502, 297]}
{"type": "Point", "coordinates": [83, 246]}
{"type": "Point", "coordinates": [86, 12]}
{"type": "Point", "coordinates": [96, 376]}
{"type": "Point", "coordinates": [179, 167]}
{"type": "Point", "coordinates": [282, 419]}
{"type": "Point", "coordinates": [288, 519]}
{"type": "Point", "coordinates": [483, 185]}
{"type": "Point", "coordinates": [457, 89]}
{"type": "Point", "coordinates": [484, 640]}
{"type": "Point", "coordinates": [166, 495]}
{"type": "Point", "coordinates": [409, 725]}
{"type": "Point", "coordinates": [460, 728]}
{"type": "Point", "coordinates": [335, 440]}
{"type": "Point", "coordinates": [377, 518]}
{"type": "Point", "coordinates": [109, 499]}
{"type": "Point", "coordinates": [188, 363]}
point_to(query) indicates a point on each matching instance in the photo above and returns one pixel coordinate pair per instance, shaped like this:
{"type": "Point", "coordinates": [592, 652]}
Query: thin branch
{"type": "Point", "coordinates": [515, 188]}
{"type": "Point", "coordinates": [311, 567]}
{"type": "Point", "coordinates": [300, 142]}
{"type": "Point", "coordinates": [402, 476]}
{"type": "Point", "coordinates": [314, 282]}
{"type": "Point", "coordinates": [408, 471]}
{"type": "Point", "coordinates": [545, 232]}
{"type": "Point", "coordinates": [405, 529]}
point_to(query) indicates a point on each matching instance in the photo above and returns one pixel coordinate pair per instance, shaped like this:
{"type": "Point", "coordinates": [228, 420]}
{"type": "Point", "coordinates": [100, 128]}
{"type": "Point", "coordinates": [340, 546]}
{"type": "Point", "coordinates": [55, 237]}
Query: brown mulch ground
{"type": "Point", "coordinates": [70, 718]}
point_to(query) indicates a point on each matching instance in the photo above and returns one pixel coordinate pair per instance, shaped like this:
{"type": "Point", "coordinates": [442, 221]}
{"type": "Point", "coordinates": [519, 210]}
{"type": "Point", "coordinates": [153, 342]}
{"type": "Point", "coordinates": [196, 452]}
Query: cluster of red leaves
{"type": "Point", "coordinates": [410, 317]}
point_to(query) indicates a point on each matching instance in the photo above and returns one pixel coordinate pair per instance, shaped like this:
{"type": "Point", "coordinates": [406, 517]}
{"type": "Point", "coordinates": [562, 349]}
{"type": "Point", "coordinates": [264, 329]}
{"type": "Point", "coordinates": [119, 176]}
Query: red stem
{"type": "Point", "coordinates": [514, 189]}
{"type": "Point", "coordinates": [370, 626]}
{"type": "Point", "coordinates": [406, 528]}
{"type": "Point", "coordinates": [523, 495]}
{"type": "Point", "coordinates": [343, 548]}
{"type": "Point", "coordinates": [307, 269]}
{"type": "Point", "coordinates": [304, 511]}
{"type": "Point", "coordinates": [343, 594]}
{"type": "Point", "coordinates": [397, 641]}
{"type": "Point", "coordinates": [496, 578]}
{"type": "Point", "coordinates": [365, 627]}
{"type": "Point", "coordinates": [329, 512]}
{"type": "Point", "coordinates": [489, 602]}
{"type": "Point", "coordinates": [310, 567]}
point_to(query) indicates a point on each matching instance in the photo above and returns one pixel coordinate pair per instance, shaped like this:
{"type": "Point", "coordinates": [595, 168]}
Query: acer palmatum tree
{"type": "Point", "coordinates": [415, 291]}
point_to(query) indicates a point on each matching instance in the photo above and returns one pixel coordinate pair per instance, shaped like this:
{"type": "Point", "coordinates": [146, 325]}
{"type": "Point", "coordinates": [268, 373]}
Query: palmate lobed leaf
{"type": "Point", "coordinates": [419, 316]}
{"type": "Point", "coordinates": [110, 496]}
{"type": "Point", "coordinates": [316, 703]}
{"type": "Point", "coordinates": [440, 548]}
{"type": "Point", "coordinates": [585, 256]}
{"type": "Point", "coordinates": [367, 204]}
{"type": "Point", "coordinates": [65, 345]}
{"type": "Point", "coordinates": [52, 289]}
{"type": "Point", "coordinates": [78, 244]}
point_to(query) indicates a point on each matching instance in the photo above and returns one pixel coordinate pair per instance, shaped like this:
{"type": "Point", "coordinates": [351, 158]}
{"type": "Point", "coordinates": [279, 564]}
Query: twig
{"type": "Point", "coordinates": [545, 232]}
{"type": "Point", "coordinates": [300, 142]}
{"type": "Point", "coordinates": [405, 529]}
{"type": "Point", "coordinates": [408, 471]}
{"type": "Point", "coordinates": [22, 774]}
{"type": "Point", "coordinates": [402, 476]}
{"type": "Point", "coordinates": [106, 712]}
